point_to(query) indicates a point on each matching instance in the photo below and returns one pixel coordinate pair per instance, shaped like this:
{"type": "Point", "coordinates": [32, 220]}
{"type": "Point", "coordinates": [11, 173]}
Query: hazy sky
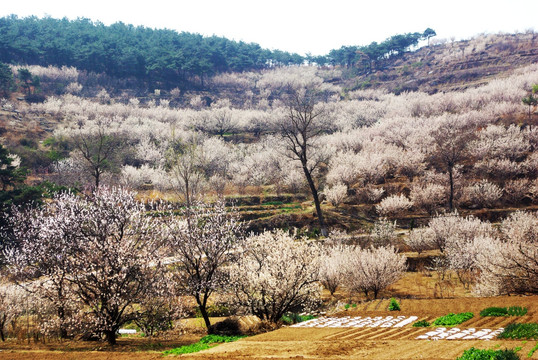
{"type": "Point", "coordinates": [298, 25]}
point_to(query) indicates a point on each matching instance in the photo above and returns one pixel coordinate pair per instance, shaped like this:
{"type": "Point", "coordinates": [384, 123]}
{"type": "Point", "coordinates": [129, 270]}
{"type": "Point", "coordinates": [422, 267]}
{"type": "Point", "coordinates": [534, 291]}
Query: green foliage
{"type": "Point", "coordinates": [187, 349]}
{"type": "Point", "coordinates": [213, 339]}
{"type": "Point", "coordinates": [503, 311]}
{"type": "Point", "coordinates": [122, 50]}
{"type": "Point", "coordinates": [480, 354]}
{"type": "Point", "coordinates": [453, 319]}
{"type": "Point", "coordinates": [520, 331]}
{"type": "Point", "coordinates": [6, 80]}
{"type": "Point", "coordinates": [205, 343]}
{"type": "Point", "coordinates": [530, 100]}
{"type": "Point", "coordinates": [421, 323]}
{"type": "Point", "coordinates": [273, 203]}
{"type": "Point", "coordinates": [394, 306]}
{"type": "Point", "coordinates": [531, 352]}
{"type": "Point", "coordinates": [294, 318]}
{"type": "Point", "coordinates": [363, 56]}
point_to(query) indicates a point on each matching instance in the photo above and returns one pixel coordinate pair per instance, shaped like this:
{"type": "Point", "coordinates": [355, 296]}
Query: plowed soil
{"type": "Point", "coordinates": [334, 343]}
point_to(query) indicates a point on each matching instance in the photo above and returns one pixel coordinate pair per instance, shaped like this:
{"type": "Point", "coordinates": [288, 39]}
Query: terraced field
{"type": "Point", "coordinates": [367, 331]}
{"type": "Point", "coordinates": [371, 332]}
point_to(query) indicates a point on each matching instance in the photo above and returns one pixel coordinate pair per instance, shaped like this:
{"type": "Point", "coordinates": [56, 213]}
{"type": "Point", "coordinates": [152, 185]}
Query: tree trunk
{"type": "Point", "coordinates": [451, 195]}
{"type": "Point", "coordinates": [203, 310]}
{"type": "Point", "coordinates": [205, 316]}
{"type": "Point", "coordinates": [323, 227]}
{"type": "Point", "coordinates": [110, 337]}
{"type": "Point", "coordinates": [97, 176]}
{"type": "Point", "coordinates": [61, 316]}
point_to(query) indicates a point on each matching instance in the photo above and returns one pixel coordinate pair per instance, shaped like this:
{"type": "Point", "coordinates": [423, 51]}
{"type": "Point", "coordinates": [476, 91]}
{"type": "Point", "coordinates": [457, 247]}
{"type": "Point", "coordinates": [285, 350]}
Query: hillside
{"type": "Point", "coordinates": [453, 66]}
{"type": "Point", "coordinates": [483, 79]}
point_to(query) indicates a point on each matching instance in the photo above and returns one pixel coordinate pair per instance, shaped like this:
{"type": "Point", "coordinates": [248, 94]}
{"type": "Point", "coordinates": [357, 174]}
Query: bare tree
{"type": "Point", "coordinates": [202, 243]}
{"type": "Point", "coordinates": [300, 129]}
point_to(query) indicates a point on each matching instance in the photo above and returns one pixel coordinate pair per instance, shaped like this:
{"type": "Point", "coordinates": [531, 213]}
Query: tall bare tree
{"type": "Point", "coordinates": [300, 129]}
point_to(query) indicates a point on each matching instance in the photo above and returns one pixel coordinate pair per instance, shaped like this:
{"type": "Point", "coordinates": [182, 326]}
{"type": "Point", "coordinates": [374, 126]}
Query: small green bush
{"type": "Point", "coordinates": [421, 323]}
{"type": "Point", "coordinates": [187, 349]}
{"type": "Point", "coordinates": [294, 318]}
{"type": "Point", "coordinates": [394, 306]}
{"type": "Point", "coordinates": [212, 339]}
{"type": "Point", "coordinates": [503, 311]}
{"type": "Point", "coordinates": [205, 343]}
{"type": "Point", "coordinates": [532, 350]}
{"type": "Point", "coordinates": [453, 319]}
{"type": "Point", "coordinates": [479, 354]}
{"type": "Point", "coordinates": [520, 331]}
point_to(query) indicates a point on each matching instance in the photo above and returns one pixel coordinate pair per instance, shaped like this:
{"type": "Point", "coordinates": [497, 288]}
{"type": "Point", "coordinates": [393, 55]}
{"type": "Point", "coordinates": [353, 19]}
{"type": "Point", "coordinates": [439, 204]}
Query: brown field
{"type": "Point", "coordinates": [316, 343]}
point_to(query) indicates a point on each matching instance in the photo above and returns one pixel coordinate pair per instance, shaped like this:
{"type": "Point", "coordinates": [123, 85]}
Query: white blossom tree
{"type": "Point", "coordinates": [276, 274]}
{"type": "Point", "coordinates": [374, 269]}
{"type": "Point", "coordinates": [12, 298]}
{"type": "Point", "coordinates": [186, 168]}
{"type": "Point", "coordinates": [336, 194]}
{"type": "Point", "coordinates": [512, 264]}
{"type": "Point", "coordinates": [97, 145]}
{"type": "Point", "coordinates": [332, 268]}
{"type": "Point", "coordinates": [101, 251]}
{"type": "Point", "coordinates": [451, 141]}
{"type": "Point", "coordinates": [202, 243]}
{"type": "Point", "coordinates": [393, 205]}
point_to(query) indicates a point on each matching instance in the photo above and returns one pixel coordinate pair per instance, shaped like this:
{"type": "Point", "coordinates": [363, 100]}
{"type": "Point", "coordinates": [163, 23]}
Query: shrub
{"type": "Point", "coordinates": [503, 311]}
{"type": "Point", "coordinates": [483, 194]}
{"type": "Point", "coordinates": [393, 205]}
{"type": "Point", "coordinates": [453, 319]}
{"type": "Point", "coordinates": [421, 323]}
{"type": "Point", "coordinates": [479, 354]}
{"type": "Point", "coordinates": [187, 349]}
{"type": "Point", "coordinates": [336, 194]}
{"type": "Point", "coordinates": [228, 326]}
{"type": "Point", "coordinates": [394, 306]}
{"type": "Point", "coordinates": [294, 318]}
{"type": "Point", "coordinates": [205, 343]}
{"type": "Point", "coordinates": [35, 98]}
{"type": "Point", "coordinates": [520, 331]}
{"type": "Point", "coordinates": [213, 339]}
